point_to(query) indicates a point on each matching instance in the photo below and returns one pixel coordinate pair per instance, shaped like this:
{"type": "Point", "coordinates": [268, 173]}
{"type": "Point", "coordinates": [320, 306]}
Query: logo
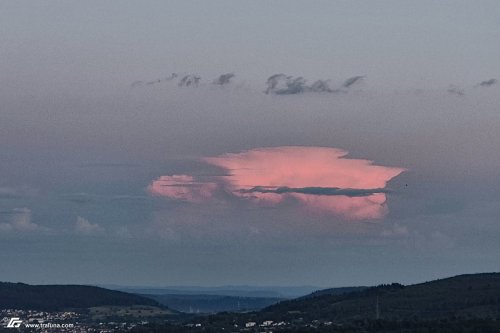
{"type": "Point", "coordinates": [14, 322]}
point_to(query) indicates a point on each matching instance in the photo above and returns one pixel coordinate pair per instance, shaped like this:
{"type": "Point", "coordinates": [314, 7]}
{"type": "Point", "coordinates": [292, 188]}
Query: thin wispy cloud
{"type": "Point", "coordinates": [223, 79]}
{"type": "Point", "coordinates": [321, 86]}
{"type": "Point", "coordinates": [352, 81]}
{"type": "Point", "coordinates": [281, 84]}
{"type": "Point", "coordinates": [276, 84]}
{"type": "Point", "coordinates": [17, 192]}
{"type": "Point", "coordinates": [189, 80]}
{"type": "Point", "coordinates": [487, 83]}
{"type": "Point", "coordinates": [455, 90]}
{"type": "Point", "coordinates": [182, 187]}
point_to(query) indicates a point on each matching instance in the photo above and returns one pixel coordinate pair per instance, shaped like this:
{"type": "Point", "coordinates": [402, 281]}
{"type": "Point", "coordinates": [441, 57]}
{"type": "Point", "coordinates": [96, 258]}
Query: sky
{"type": "Point", "coordinates": [334, 143]}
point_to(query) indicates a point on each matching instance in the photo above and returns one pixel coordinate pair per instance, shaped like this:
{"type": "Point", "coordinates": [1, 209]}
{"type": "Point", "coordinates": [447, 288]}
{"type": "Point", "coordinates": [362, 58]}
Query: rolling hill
{"type": "Point", "coordinates": [59, 297]}
{"type": "Point", "coordinates": [463, 296]}
{"type": "Point", "coordinates": [464, 303]}
{"type": "Point", "coordinates": [334, 291]}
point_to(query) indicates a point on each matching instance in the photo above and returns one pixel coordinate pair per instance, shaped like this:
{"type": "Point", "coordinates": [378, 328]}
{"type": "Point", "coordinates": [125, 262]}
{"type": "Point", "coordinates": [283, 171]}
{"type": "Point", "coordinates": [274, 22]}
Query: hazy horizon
{"type": "Point", "coordinates": [285, 143]}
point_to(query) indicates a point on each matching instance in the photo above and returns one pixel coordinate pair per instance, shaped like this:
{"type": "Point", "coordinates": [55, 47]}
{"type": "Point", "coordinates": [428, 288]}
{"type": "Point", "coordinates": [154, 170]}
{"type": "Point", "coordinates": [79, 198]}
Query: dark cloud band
{"type": "Point", "coordinates": [329, 191]}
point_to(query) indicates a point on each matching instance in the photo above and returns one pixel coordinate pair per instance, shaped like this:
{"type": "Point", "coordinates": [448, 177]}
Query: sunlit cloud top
{"type": "Point", "coordinates": [322, 180]}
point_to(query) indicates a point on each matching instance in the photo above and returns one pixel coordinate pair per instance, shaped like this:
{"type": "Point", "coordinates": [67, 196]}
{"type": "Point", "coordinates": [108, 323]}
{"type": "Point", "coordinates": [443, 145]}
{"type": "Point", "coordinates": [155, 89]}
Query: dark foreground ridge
{"type": "Point", "coordinates": [59, 297]}
{"type": "Point", "coordinates": [463, 296]}
{"type": "Point", "coordinates": [460, 304]}
{"type": "Point", "coordinates": [465, 303]}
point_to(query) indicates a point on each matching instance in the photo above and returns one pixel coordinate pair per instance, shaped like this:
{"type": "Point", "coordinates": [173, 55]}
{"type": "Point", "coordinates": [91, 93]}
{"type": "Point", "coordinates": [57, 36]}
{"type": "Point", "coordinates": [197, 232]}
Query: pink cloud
{"type": "Point", "coordinates": [322, 179]}
{"type": "Point", "coordinates": [182, 187]}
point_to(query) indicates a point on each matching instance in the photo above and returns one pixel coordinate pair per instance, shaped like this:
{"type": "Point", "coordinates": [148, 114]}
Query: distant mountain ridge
{"type": "Point", "coordinates": [236, 291]}
{"type": "Point", "coordinates": [215, 292]}
{"type": "Point", "coordinates": [59, 297]}
{"type": "Point", "coordinates": [192, 303]}
{"type": "Point", "coordinates": [236, 301]}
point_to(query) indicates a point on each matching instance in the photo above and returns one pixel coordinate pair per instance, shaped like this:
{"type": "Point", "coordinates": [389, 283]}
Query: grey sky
{"type": "Point", "coordinates": [79, 146]}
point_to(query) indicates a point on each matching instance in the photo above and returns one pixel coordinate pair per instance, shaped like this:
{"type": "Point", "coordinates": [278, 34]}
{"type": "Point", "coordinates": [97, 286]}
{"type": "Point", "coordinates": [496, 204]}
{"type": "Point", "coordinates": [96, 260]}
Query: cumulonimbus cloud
{"type": "Point", "coordinates": [321, 179]}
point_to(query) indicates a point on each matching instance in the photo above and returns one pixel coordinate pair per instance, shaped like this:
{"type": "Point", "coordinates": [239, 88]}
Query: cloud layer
{"type": "Point", "coordinates": [276, 84]}
{"type": "Point", "coordinates": [320, 179]}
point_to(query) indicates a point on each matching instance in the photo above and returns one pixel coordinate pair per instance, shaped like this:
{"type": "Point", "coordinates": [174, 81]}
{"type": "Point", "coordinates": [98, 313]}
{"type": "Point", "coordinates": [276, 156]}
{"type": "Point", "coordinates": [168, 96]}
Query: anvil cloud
{"type": "Point", "coordinates": [321, 179]}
